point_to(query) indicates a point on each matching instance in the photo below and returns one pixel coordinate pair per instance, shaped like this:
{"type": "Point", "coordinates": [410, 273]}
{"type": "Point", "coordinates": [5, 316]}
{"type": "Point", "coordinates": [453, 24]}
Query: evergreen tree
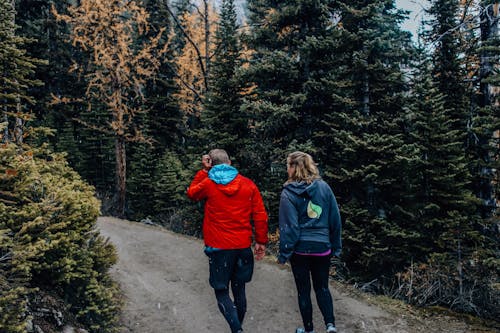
{"type": "Point", "coordinates": [118, 70]}
{"type": "Point", "coordinates": [49, 42]}
{"type": "Point", "coordinates": [49, 242]}
{"type": "Point", "coordinates": [164, 118]}
{"type": "Point", "coordinates": [362, 135]}
{"type": "Point", "coordinates": [288, 41]}
{"type": "Point", "coordinates": [171, 181]}
{"type": "Point", "coordinates": [223, 122]}
{"type": "Point", "coordinates": [141, 183]}
{"type": "Point", "coordinates": [171, 206]}
{"type": "Point", "coordinates": [446, 204]}
{"type": "Point", "coordinates": [450, 238]}
{"type": "Point", "coordinates": [482, 145]}
{"type": "Point", "coordinates": [88, 152]}
{"type": "Point", "coordinates": [447, 66]}
{"type": "Point", "coordinates": [17, 69]}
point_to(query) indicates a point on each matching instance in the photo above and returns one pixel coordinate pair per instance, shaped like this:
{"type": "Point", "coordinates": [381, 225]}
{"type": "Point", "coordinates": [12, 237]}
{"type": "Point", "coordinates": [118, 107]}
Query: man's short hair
{"type": "Point", "coordinates": [219, 156]}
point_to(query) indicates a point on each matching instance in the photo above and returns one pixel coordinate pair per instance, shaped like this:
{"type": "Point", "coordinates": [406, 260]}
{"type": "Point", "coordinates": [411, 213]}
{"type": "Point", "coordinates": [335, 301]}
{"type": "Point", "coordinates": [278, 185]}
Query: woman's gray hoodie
{"type": "Point", "coordinates": [309, 220]}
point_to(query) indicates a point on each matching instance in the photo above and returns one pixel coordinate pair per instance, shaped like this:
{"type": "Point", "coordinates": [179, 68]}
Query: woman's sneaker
{"type": "Point", "coordinates": [330, 328]}
{"type": "Point", "coordinates": [301, 330]}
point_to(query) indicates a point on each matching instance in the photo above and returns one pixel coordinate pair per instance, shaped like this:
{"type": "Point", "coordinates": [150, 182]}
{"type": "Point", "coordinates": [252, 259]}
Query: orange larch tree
{"type": "Point", "coordinates": [120, 66]}
{"type": "Point", "coordinates": [192, 62]}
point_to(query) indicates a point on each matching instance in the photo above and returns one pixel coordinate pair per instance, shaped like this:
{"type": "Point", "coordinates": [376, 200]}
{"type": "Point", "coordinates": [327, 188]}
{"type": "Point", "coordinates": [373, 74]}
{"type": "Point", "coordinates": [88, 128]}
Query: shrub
{"type": "Point", "coordinates": [469, 286]}
{"type": "Point", "coordinates": [49, 241]}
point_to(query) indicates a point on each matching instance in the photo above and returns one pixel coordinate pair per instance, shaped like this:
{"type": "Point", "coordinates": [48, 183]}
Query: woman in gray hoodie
{"type": "Point", "coordinates": [310, 234]}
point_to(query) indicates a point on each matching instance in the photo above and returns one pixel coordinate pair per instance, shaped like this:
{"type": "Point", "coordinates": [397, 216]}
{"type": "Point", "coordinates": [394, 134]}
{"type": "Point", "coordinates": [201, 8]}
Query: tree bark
{"type": "Point", "coordinates": [489, 31]}
{"type": "Point", "coordinates": [121, 173]}
{"type": "Point", "coordinates": [366, 95]}
{"type": "Point", "coordinates": [207, 46]}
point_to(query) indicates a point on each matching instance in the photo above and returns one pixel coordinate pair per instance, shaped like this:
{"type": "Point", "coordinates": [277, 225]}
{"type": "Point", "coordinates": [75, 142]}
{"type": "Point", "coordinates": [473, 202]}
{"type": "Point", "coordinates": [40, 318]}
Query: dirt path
{"type": "Point", "coordinates": [165, 280]}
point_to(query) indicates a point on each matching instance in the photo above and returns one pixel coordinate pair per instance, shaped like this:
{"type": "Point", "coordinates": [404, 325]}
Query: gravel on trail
{"type": "Point", "coordinates": [164, 278]}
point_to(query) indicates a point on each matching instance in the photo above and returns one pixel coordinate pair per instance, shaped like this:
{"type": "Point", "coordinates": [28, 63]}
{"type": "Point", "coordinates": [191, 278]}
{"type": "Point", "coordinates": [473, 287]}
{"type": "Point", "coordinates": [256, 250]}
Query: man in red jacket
{"type": "Point", "coordinates": [233, 202]}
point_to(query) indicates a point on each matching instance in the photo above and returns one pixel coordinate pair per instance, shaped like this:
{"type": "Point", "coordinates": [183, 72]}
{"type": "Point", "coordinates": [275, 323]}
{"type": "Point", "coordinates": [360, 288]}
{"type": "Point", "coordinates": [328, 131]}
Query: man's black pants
{"type": "Point", "coordinates": [233, 267]}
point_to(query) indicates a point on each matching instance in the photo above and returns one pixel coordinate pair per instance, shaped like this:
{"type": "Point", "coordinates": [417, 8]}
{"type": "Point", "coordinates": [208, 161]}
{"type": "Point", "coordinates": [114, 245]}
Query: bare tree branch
{"type": "Point", "coordinates": [190, 40]}
{"type": "Point", "coordinates": [464, 22]}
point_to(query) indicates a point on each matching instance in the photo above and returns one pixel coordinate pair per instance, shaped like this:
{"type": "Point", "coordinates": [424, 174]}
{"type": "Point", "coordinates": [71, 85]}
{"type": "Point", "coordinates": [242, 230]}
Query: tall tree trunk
{"type": "Point", "coordinates": [366, 94]}
{"type": "Point", "coordinates": [489, 32]}
{"type": "Point", "coordinates": [121, 173]}
{"type": "Point", "coordinates": [207, 45]}
{"type": "Point", "coordinates": [18, 124]}
{"type": "Point", "coordinates": [19, 128]}
{"type": "Point", "coordinates": [5, 136]}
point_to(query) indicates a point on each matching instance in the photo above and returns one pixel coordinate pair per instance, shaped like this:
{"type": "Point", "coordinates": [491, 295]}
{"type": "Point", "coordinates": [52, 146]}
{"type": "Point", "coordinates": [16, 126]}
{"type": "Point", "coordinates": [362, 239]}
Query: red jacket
{"type": "Point", "coordinates": [229, 210]}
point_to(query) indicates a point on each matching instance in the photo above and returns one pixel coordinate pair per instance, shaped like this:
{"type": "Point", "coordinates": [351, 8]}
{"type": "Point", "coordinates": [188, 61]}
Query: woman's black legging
{"type": "Point", "coordinates": [317, 268]}
{"type": "Point", "coordinates": [234, 312]}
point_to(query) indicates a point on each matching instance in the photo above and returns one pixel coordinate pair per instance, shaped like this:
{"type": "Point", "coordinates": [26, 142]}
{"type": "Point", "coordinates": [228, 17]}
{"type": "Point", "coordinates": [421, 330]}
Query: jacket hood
{"type": "Point", "coordinates": [299, 188]}
{"type": "Point", "coordinates": [225, 176]}
{"type": "Point", "coordinates": [222, 174]}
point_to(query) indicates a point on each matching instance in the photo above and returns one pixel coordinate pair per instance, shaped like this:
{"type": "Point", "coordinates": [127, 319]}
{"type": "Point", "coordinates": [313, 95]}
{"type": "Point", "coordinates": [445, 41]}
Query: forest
{"type": "Point", "coordinates": [113, 103]}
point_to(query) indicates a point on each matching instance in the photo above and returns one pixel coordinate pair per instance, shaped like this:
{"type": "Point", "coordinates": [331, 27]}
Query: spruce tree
{"type": "Point", "coordinates": [164, 119]}
{"type": "Point", "coordinates": [118, 70]}
{"type": "Point", "coordinates": [362, 139]}
{"type": "Point", "coordinates": [88, 152]}
{"type": "Point", "coordinates": [288, 43]}
{"type": "Point", "coordinates": [441, 174]}
{"type": "Point", "coordinates": [450, 238]}
{"type": "Point", "coordinates": [49, 243]}
{"type": "Point", "coordinates": [447, 66]}
{"type": "Point", "coordinates": [223, 122]}
{"type": "Point", "coordinates": [49, 42]}
{"type": "Point", "coordinates": [482, 145]}
{"type": "Point", "coordinates": [141, 183]}
{"type": "Point", "coordinates": [17, 69]}
{"type": "Point", "coordinates": [171, 206]}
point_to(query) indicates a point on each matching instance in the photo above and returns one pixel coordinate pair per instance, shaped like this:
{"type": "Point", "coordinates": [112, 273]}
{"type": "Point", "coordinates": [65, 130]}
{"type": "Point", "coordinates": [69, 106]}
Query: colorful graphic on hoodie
{"type": "Point", "coordinates": [313, 211]}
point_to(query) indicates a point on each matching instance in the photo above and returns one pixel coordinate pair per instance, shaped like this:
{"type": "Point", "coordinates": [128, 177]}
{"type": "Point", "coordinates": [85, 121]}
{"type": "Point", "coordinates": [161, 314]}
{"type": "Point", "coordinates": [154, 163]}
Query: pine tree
{"type": "Point", "coordinates": [223, 122]}
{"type": "Point", "coordinates": [362, 135]}
{"type": "Point", "coordinates": [441, 174]}
{"type": "Point", "coordinates": [288, 44]}
{"type": "Point", "coordinates": [17, 70]}
{"type": "Point", "coordinates": [482, 145]}
{"type": "Point", "coordinates": [141, 183]}
{"type": "Point", "coordinates": [192, 62]}
{"type": "Point", "coordinates": [119, 69]}
{"type": "Point", "coordinates": [49, 241]}
{"type": "Point", "coordinates": [164, 118]}
{"type": "Point", "coordinates": [88, 151]}
{"type": "Point", "coordinates": [447, 66]}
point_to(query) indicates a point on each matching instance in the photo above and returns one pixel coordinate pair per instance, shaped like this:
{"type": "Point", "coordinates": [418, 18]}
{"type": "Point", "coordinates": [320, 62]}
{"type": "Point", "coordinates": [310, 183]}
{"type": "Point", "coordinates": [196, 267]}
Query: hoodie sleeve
{"type": "Point", "coordinates": [335, 227]}
{"type": "Point", "coordinates": [196, 191]}
{"type": "Point", "coordinates": [288, 226]}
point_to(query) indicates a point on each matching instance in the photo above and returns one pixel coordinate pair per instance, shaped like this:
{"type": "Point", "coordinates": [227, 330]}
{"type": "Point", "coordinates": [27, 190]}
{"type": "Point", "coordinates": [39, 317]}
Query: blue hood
{"type": "Point", "coordinates": [222, 174]}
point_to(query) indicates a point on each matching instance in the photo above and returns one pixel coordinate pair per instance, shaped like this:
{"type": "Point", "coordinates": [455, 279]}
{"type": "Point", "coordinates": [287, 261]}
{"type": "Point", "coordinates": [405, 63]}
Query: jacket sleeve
{"type": "Point", "coordinates": [289, 228]}
{"type": "Point", "coordinates": [196, 191]}
{"type": "Point", "coordinates": [335, 227]}
{"type": "Point", "coordinates": [259, 217]}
